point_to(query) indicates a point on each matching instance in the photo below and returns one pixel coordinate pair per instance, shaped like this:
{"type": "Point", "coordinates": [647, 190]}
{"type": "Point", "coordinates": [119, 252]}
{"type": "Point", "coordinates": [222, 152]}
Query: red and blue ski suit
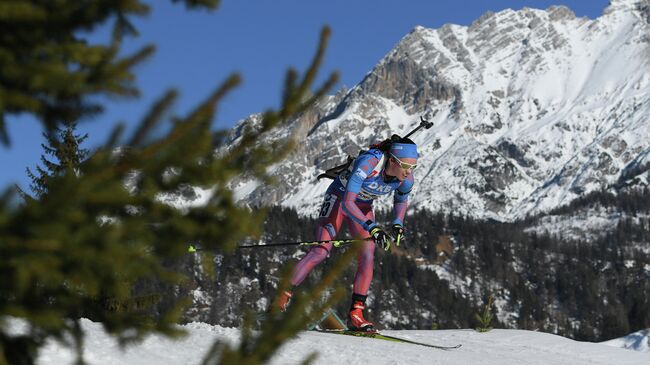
{"type": "Point", "coordinates": [350, 198]}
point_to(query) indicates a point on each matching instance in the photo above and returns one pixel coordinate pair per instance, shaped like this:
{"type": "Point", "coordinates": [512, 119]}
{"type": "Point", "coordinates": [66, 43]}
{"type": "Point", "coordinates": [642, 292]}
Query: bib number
{"type": "Point", "coordinates": [328, 205]}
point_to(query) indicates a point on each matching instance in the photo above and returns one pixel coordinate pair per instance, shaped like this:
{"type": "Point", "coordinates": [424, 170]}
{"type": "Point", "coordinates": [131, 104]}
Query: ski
{"type": "Point", "coordinates": [401, 339]}
{"type": "Point", "coordinates": [381, 336]}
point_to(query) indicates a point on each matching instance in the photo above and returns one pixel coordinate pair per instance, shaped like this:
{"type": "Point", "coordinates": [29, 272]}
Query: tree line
{"type": "Point", "coordinates": [586, 290]}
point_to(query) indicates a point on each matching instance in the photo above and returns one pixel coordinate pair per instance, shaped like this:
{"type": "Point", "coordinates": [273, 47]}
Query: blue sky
{"type": "Point", "coordinates": [260, 40]}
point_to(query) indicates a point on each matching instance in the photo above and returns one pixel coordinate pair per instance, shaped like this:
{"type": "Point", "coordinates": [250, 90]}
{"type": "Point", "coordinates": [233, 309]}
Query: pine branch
{"type": "Point", "coordinates": [153, 117]}
{"type": "Point", "coordinates": [88, 234]}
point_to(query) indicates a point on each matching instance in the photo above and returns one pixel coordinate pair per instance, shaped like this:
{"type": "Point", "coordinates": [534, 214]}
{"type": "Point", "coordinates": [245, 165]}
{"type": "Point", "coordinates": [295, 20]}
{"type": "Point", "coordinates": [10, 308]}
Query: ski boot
{"type": "Point", "coordinates": [356, 322]}
{"type": "Point", "coordinates": [284, 300]}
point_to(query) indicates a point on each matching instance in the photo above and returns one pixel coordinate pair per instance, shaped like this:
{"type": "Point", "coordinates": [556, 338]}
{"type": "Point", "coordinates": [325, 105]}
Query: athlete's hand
{"type": "Point", "coordinates": [381, 238]}
{"type": "Point", "coordinates": [398, 233]}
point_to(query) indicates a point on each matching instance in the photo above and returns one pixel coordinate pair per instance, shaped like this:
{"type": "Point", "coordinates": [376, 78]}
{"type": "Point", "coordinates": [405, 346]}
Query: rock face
{"type": "Point", "coordinates": [534, 109]}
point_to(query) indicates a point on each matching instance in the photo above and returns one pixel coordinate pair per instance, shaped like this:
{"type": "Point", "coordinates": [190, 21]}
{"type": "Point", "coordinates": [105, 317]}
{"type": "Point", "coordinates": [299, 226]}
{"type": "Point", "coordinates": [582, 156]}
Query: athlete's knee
{"type": "Point", "coordinates": [367, 254]}
{"type": "Point", "coordinates": [318, 253]}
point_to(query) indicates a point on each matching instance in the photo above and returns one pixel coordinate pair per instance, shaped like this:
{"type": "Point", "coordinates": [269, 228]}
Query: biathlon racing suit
{"type": "Point", "coordinates": [350, 198]}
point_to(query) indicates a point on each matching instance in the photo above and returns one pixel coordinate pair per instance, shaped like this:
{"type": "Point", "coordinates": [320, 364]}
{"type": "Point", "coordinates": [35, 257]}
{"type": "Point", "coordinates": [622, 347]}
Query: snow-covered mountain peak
{"type": "Point", "coordinates": [534, 109]}
{"type": "Point", "coordinates": [617, 5]}
{"type": "Point", "coordinates": [638, 8]}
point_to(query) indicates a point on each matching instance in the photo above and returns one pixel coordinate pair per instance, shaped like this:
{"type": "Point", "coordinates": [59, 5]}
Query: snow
{"type": "Point", "coordinates": [199, 296]}
{"type": "Point", "coordinates": [639, 341]}
{"type": "Point", "coordinates": [498, 347]}
{"type": "Point", "coordinates": [203, 195]}
{"type": "Point", "coordinates": [245, 188]}
{"type": "Point", "coordinates": [591, 224]}
{"type": "Point", "coordinates": [622, 5]}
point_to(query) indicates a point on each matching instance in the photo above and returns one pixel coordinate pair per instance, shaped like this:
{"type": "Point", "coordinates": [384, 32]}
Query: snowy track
{"type": "Point", "coordinates": [498, 347]}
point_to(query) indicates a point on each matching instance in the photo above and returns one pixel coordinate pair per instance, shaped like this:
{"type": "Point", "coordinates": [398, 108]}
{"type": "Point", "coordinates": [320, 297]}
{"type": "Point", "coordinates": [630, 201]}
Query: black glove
{"type": "Point", "coordinates": [398, 233]}
{"type": "Point", "coordinates": [381, 238]}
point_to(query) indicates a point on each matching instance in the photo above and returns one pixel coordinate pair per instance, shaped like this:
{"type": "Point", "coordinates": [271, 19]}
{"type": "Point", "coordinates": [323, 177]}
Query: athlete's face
{"type": "Point", "coordinates": [401, 167]}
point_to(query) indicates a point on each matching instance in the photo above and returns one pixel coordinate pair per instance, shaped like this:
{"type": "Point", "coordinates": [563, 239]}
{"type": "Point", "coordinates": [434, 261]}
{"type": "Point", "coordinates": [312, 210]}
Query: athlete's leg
{"type": "Point", "coordinates": [365, 263]}
{"type": "Point", "coordinates": [329, 223]}
{"type": "Point", "coordinates": [366, 257]}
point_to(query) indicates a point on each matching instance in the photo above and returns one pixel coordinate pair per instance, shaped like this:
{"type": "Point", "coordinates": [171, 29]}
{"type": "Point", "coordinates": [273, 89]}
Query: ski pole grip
{"type": "Point", "coordinates": [423, 123]}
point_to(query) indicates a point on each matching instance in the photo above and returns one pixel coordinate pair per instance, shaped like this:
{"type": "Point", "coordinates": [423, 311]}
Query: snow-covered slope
{"type": "Point", "coordinates": [639, 341]}
{"type": "Point", "coordinates": [535, 108]}
{"type": "Point", "coordinates": [498, 347]}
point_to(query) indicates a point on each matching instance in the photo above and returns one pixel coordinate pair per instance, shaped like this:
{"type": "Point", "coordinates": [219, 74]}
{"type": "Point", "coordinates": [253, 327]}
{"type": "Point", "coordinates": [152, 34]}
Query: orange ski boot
{"type": "Point", "coordinates": [356, 321]}
{"type": "Point", "coordinates": [284, 300]}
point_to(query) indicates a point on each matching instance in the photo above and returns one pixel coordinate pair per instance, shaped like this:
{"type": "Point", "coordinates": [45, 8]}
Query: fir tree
{"type": "Point", "coordinates": [90, 236]}
{"type": "Point", "coordinates": [65, 147]}
{"type": "Point", "coordinates": [485, 318]}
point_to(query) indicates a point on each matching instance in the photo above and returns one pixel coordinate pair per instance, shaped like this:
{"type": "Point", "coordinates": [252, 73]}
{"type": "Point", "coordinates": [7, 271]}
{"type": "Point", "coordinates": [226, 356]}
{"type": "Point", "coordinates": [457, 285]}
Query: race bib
{"type": "Point", "coordinates": [328, 205]}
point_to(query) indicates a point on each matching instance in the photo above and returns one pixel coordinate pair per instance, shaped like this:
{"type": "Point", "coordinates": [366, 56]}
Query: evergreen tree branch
{"type": "Point", "coordinates": [89, 238]}
{"type": "Point", "coordinates": [153, 117]}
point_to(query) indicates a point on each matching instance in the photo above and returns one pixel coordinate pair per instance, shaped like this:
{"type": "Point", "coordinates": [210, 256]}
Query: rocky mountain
{"type": "Point", "coordinates": [532, 109]}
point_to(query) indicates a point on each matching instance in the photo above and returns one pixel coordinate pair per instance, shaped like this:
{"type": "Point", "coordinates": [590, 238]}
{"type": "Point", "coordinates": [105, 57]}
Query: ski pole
{"type": "Point", "coordinates": [335, 243]}
{"type": "Point", "coordinates": [423, 123]}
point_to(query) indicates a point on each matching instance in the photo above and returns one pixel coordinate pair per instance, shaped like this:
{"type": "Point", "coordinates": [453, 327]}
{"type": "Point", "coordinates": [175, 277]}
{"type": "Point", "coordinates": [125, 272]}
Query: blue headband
{"type": "Point", "coordinates": [404, 150]}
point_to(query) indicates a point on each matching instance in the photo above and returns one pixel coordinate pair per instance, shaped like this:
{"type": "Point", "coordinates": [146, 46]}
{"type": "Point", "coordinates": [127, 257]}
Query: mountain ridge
{"type": "Point", "coordinates": [535, 108]}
